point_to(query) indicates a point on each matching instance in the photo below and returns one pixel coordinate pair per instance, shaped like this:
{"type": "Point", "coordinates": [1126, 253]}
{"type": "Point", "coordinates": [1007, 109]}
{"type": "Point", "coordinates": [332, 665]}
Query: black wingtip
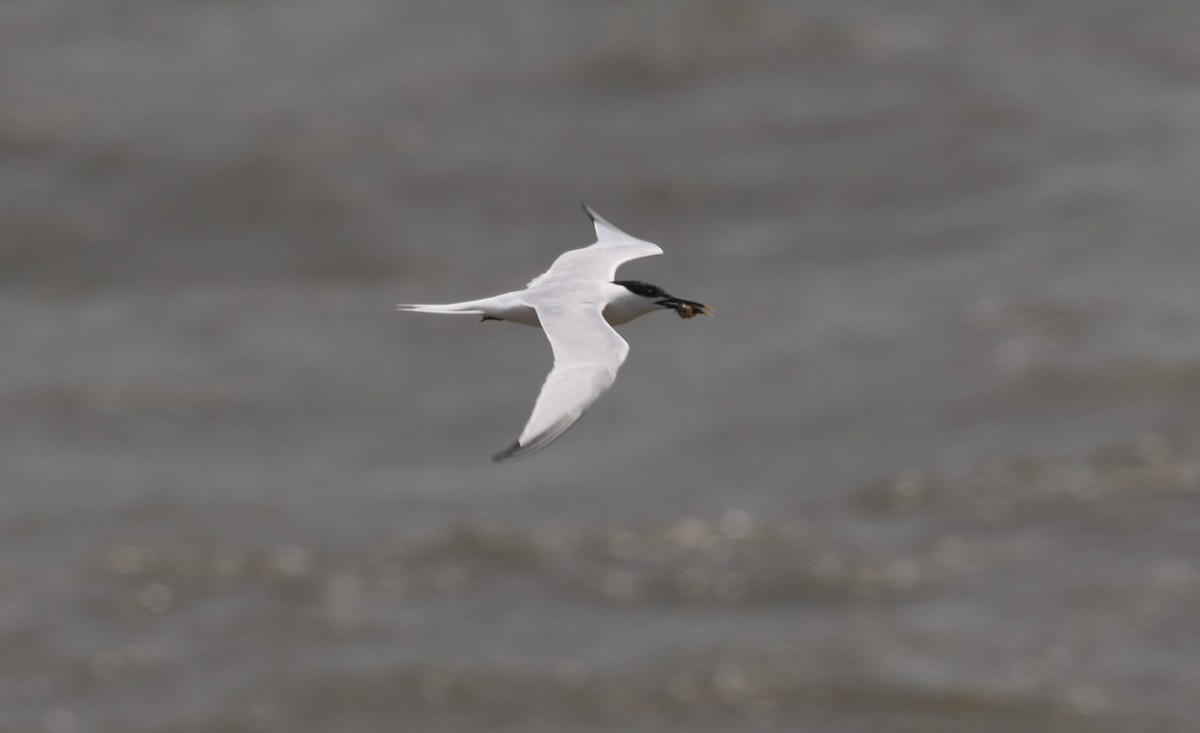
{"type": "Point", "coordinates": [588, 210]}
{"type": "Point", "coordinates": [539, 441]}
{"type": "Point", "coordinates": [507, 453]}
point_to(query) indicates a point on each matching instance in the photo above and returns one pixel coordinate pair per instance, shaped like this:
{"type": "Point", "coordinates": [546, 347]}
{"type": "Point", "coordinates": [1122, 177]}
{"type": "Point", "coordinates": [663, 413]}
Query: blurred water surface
{"type": "Point", "coordinates": [935, 466]}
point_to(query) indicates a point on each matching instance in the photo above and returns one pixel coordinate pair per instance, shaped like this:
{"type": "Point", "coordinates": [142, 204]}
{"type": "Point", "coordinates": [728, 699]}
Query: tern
{"type": "Point", "coordinates": [576, 303]}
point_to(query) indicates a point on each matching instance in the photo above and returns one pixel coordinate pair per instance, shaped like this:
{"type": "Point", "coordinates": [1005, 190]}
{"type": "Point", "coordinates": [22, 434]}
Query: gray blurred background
{"type": "Point", "coordinates": [935, 466]}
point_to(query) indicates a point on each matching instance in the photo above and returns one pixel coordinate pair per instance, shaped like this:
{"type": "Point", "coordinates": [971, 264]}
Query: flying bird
{"type": "Point", "coordinates": [576, 303]}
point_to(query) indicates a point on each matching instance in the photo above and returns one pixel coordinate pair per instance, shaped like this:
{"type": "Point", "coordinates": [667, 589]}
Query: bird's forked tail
{"type": "Point", "coordinates": [470, 307]}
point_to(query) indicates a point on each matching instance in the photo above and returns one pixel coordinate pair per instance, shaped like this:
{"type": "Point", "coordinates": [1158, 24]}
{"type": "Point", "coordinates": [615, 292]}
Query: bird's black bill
{"type": "Point", "coordinates": [686, 308]}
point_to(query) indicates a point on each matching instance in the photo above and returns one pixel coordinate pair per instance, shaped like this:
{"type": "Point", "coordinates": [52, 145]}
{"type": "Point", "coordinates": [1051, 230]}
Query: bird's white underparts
{"type": "Point", "coordinates": [576, 303]}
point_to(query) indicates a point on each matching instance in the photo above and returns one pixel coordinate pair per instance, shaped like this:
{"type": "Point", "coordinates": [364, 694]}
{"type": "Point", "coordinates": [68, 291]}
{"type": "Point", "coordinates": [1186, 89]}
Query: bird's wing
{"type": "Point", "coordinates": [604, 229]}
{"type": "Point", "coordinates": [587, 355]}
{"type": "Point", "coordinates": [600, 261]}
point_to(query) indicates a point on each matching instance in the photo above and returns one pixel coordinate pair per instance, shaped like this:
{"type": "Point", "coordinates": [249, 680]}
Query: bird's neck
{"type": "Point", "coordinates": [624, 306]}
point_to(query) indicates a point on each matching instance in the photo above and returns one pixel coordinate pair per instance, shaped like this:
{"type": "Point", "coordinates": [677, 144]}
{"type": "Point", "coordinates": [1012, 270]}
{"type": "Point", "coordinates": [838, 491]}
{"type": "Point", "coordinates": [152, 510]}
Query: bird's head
{"type": "Point", "coordinates": [661, 298]}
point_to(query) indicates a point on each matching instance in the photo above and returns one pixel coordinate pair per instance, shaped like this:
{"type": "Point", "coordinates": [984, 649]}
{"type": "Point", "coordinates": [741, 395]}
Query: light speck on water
{"type": "Point", "coordinates": [935, 466]}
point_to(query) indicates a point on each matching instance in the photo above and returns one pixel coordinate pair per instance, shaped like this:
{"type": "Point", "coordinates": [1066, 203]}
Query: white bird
{"type": "Point", "coordinates": [576, 303]}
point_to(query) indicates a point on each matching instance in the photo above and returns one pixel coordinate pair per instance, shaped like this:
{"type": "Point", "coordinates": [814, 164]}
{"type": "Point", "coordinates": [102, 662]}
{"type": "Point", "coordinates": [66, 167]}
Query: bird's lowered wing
{"type": "Point", "coordinates": [587, 355]}
{"type": "Point", "coordinates": [600, 261]}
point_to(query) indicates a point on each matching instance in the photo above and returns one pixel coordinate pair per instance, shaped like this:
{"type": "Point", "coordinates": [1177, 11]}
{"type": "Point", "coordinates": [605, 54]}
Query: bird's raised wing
{"type": "Point", "coordinates": [600, 261]}
{"type": "Point", "coordinates": [587, 355]}
{"type": "Point", "coordinates": [604, 229]}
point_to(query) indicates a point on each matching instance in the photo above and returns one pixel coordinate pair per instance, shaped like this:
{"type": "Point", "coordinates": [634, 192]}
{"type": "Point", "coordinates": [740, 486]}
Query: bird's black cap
{"type": "Point", "coordinates": [646, 290]}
